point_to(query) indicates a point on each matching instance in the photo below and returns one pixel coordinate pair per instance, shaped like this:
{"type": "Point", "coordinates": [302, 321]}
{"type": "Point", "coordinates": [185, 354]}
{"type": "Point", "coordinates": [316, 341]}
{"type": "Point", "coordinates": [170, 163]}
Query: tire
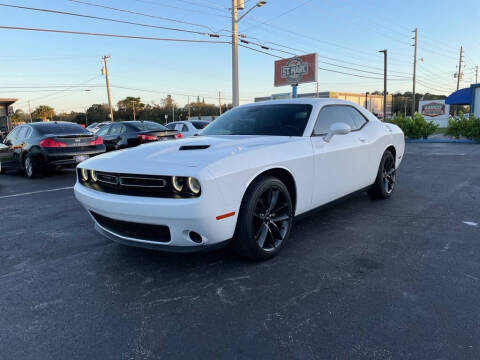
{"type": "Point", "coordinates": [32, 166]}
{"type": "Point", "coordinates": [385, 182]}
{"type": "Point", "coordinates": [264, 221]}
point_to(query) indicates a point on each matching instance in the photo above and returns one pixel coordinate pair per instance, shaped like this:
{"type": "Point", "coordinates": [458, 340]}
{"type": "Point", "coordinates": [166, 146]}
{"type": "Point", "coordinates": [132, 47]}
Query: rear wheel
{"type": "Point", "coordinates": [386, 177]}
{"type": "Point", "coordinates": [265, 219]}
{"type": "Point", "coordinates": [32, 166]}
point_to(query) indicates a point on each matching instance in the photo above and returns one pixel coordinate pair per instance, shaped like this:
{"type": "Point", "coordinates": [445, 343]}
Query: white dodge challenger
{"type": "Point", "coordinates": [244, 179]}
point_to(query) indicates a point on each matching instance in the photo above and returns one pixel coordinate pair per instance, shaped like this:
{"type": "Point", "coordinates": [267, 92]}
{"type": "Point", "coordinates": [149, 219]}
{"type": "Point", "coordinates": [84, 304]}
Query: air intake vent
{"type": "Point", "coordinates": [194, 147]}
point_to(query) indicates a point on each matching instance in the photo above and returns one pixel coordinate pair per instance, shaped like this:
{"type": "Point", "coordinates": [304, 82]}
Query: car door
{"type": "Point", "coordinates": [339, 163]}
{"type": "Point", "coordinates": [114, 136]}
{"type": "Point", "coordinates": [7, 149]}
{"type": "Point", "coordinates": [103, 133]}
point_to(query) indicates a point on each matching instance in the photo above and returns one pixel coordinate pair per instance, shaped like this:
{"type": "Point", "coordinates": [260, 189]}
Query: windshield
{"type": "Point", "coordinates": [199, 124]}
{"type": "Point", "coordinates": [275, 120]}
{"type": "Point", "coordinates": [60, 128]}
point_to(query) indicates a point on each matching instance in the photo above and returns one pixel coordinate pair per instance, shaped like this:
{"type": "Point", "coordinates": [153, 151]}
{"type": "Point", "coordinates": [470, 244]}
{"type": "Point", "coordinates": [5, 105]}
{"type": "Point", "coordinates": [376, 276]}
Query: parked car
{"type": "Point", "coordinates": [188, 128]}
{"type": "Point", "coordinates": [124, 134]}
{"type": "Point", "coordinates": [93, 128]}
{"type": "Point", "coordinates": [243, 179]}
{"type": "Point", "coordinates": [36, 147]}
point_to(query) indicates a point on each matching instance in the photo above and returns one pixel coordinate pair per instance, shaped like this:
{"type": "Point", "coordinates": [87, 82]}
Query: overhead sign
{"type": "Point", "coordinates": [435, 110]}
{"type": "Point", "coordinates": [296, 70]}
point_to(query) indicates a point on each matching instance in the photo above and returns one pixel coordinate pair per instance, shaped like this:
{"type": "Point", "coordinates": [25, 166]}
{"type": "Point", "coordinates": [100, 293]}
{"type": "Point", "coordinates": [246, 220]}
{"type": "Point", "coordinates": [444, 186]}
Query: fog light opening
{"type": "Point", "coordinates": [195, 237]}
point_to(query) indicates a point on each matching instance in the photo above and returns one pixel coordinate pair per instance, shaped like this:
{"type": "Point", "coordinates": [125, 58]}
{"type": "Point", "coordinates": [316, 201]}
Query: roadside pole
{"type": "Point", "coordinates": [294, 91]}
{"type": "Point", "coordinates": [459, 74]}
{"type": "Point", "coordinates": [133, 106]}
{"type": "Point", "coordinates": [384, 83]}
{"type": "Point", "coordinates": [188, 100]}
{"type": "Point", "coordinates": [105, 72]}
{"type": "Point", "coordinates": [414, 68]}
{"type": "Point", "coordinates": [235, 87]}
{"type": "Point", "coordinates": [220, 102]}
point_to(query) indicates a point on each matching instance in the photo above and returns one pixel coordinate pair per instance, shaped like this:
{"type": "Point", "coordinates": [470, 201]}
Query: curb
{"type": "Point", "coordinates": [440, 141]}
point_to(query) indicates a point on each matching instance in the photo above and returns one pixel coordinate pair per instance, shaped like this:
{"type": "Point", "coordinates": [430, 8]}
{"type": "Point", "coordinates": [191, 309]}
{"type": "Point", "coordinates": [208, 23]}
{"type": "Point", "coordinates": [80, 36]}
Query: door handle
{"type": "Point", "coordinates": [362, 139]}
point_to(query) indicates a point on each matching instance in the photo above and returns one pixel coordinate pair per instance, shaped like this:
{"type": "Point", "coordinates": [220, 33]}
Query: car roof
{"type": "Point", "coordinates": [310, 101]}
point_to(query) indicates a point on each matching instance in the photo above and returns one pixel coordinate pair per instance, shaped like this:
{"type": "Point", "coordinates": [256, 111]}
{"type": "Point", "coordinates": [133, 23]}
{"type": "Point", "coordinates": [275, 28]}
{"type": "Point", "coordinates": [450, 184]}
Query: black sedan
{"type": "Point", "coordinates": [37, 147]}
{"type": "Point", "coordinates": [124, 134]}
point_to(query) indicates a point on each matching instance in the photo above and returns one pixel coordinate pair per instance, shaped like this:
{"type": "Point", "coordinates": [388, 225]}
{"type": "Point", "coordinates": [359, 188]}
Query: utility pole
{"type": "Point", "coordinates": [384, 83]}
{"type": "Point", "coordinates": [235, 86]}
{"type": "Point", "coordinates": [86, 118]}
{"type": "Point", "coordinates": [188, 100]}
{"type": "Point", "coordinates": [459, 74]}
{"type": "Point", "coordinates": [105, 72]}
{"type": "Point", "coordinates": [414, 69]}
{"type": "Point", "coordinates": [220, 102]}
{"type": "Point", "coordinates": [133, 105]}
{"type": "Point", "coordinates": [29, 111]}
{"type": "Point", "coordinates": [317, 89]}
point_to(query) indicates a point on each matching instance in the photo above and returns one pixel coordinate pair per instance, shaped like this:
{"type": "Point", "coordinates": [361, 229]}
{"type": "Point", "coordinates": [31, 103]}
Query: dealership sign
{"type": "Point", "coordinates": [432, 109]}
{"type": "Point", "coordinates": [435, 110]}
{"type": "Point", "coordinates": [296, 70]}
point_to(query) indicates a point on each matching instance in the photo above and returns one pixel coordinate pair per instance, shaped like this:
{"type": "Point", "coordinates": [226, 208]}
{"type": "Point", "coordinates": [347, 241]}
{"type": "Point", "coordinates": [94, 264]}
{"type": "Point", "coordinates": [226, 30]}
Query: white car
{"type": "Point", "coordinates": [244, 179]}
{"type": "Point", "coordinates": [188, 128]}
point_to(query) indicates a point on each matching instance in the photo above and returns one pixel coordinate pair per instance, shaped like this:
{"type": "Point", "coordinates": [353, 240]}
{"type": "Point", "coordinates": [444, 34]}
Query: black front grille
{"type": "Point", "coordinates": [157, 233]}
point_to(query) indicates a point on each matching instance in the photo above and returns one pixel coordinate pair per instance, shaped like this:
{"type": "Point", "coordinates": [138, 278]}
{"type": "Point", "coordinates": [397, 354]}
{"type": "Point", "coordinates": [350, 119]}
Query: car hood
{"type": "Point", "coordinates": [190, 152]}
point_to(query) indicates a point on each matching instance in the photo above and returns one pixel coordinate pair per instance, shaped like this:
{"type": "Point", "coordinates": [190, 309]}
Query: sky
{"type": "Point", "coordinates": [64, 70]}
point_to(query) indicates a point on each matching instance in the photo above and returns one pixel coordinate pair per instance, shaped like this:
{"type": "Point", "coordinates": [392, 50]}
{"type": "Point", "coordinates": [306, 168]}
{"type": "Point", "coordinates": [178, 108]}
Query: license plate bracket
{"type": "Point", "coordinates": [79, 158]}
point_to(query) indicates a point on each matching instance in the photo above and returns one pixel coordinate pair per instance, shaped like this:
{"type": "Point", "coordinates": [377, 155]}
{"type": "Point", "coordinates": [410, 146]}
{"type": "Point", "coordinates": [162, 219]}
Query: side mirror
{"type": "Point", "coordinates": [337, 128]}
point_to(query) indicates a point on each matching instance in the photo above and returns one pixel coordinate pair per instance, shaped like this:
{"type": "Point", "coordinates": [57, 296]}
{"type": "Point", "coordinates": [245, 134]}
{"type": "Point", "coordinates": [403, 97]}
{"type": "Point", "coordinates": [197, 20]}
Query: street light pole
{"type": "Point", "coordinates": [105, 72]}
{"type": "Point", "coordinates": [235, 86]}
{"type": "Point", "coordinates": [235, 20]}
{"type": "Point", "coordinates": [384, 83]}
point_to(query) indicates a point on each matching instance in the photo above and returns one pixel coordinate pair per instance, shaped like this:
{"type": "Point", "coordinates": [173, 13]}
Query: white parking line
{"type": "Point", "coordinates": [36, 192]}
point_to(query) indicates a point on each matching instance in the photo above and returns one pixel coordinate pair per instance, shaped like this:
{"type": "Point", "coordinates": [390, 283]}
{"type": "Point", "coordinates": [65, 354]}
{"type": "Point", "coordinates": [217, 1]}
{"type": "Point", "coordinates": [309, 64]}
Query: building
{"type": "Point", "coordinates": [374, 103]}
{"type": "Point", "coordinates": [467, 97]}
{"type": "Point", "coordinates": [6, 111]}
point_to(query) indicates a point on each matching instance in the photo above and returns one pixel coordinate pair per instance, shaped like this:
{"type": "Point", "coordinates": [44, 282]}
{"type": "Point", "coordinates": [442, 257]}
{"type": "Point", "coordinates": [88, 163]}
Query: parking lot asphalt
{"type": "Point", "coordinates": [363, 279]}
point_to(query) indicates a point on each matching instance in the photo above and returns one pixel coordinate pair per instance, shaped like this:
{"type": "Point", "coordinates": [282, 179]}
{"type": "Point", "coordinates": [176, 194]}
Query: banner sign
{"type": "Point", "coordinates": [296, 70]}
{"type": "Point", "coordinates": [435, 110]}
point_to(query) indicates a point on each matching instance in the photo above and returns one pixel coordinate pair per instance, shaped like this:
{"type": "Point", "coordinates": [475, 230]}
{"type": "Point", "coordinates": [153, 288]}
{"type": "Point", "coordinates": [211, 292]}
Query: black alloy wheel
{"type": "Point", "coordinates": [386, 177]}
{"type": "Point", "coordinates": [265, 219]}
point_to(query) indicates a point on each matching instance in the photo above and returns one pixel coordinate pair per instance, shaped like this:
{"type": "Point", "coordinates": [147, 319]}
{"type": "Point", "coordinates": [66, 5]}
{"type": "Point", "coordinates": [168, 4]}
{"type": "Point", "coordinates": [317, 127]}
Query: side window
{"type": "Point", "coordinates": [13, 135]}
{"type": "Point", "coordinates": [179, 127]}
{"type": "Point", "coordinates": [22, 133]}
{"type": "Point", "coordinates": [337, 113]}
{"type": "Point", "coordinates": [116, 129]}
{"type": "Point", "coordinates": [103, 130]}
{"type": "Point", "coordinates": [123, 129]}
{"type": "Point", "coordinates": [358, 119]}
{"type": "Point", "coordinates": [29, 132]}
{"type": "Point", "coordinates": [170, 126]}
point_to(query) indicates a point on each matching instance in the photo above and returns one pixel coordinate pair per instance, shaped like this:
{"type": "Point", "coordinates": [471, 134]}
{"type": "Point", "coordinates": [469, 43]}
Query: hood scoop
{"type": "Point", "coordinates": [194, 147]}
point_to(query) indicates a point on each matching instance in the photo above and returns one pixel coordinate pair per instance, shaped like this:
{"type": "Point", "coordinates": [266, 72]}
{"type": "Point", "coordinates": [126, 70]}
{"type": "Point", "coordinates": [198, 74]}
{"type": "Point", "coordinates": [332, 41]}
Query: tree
{"type": "Point", "coordinates": [43, 112]}
{"type": "Point", "coordinates": [98, 113]}
{"type": "Point", "coordinates": [19, 117]}
{"type": "Point", "coordinates": [125, 107]}
{"type": "Point", "coordinates": [168, 102]}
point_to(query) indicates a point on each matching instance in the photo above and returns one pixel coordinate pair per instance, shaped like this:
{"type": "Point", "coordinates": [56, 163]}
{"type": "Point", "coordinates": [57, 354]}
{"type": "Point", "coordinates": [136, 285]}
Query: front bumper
{"type": "Point", "coordinates": [181, 216]}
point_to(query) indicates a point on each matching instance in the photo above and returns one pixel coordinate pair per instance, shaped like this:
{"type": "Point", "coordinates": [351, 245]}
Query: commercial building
{"type": "Point", "coordinates": [373, 103]}
{"type": "Point", "coordinates": [6, 111]}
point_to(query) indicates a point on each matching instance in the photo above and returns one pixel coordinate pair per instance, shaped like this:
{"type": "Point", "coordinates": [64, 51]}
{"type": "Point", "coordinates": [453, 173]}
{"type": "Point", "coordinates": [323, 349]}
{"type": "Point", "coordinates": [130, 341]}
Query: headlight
{"type": "Point", "coordinates": [193, 185]}
{"type": "Point", "coordinates": [177, 183]}
{"type": "Point", "coordinates": [84, 174]}
{"type": "Point", "coordinates": [93, 175]}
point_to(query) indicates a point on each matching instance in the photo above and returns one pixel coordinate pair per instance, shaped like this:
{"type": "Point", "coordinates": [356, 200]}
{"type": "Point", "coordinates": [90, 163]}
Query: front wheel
{"type": "Point", "coordinates": [386, 177]}
{"type": "Point", "coordinates": [265, 219]}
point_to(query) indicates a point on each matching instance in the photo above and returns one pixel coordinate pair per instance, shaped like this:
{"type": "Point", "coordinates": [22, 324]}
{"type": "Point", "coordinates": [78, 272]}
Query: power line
{"type": "Point", "coordinates": [108, 19]}
{"type": "Point", "coordinates": [112, 35]}
{"type": "Point", "coordinates": [182, 9]}
{"type": "Point", "coordinates": [142, 14]}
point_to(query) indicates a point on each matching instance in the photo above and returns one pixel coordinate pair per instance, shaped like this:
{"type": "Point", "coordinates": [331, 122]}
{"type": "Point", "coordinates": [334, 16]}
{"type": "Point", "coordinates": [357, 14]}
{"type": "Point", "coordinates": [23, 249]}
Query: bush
{"type": "Point", "coordinates": [468, 127]}
{"type": "Point", "coordinates": [416, 127]}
